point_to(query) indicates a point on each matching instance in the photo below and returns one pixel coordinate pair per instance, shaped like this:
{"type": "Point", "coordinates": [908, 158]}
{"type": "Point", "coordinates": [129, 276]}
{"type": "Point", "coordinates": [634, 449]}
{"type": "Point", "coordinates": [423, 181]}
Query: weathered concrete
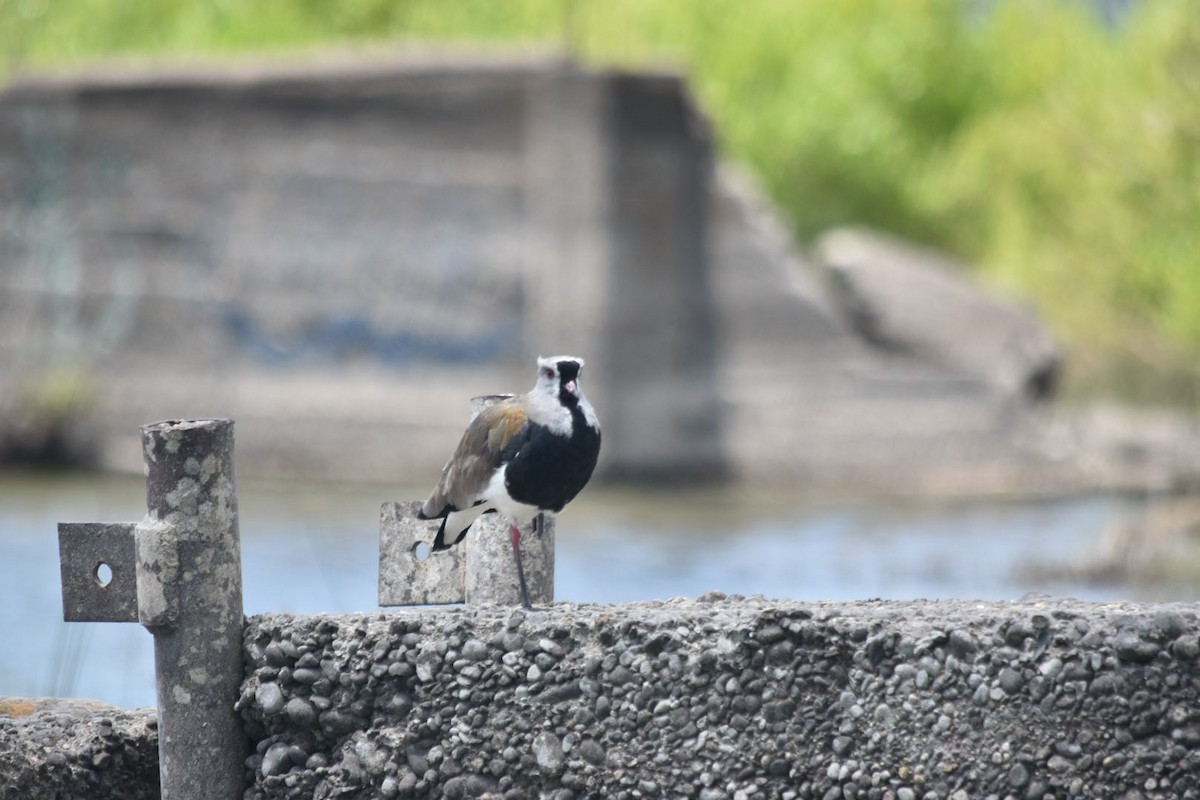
{"type": "Point", "coordinates": [480, 569]}
{"type": "Point", "coordinates": [719, 697]}
{"type": "Point", "coordinates": [903, 297]}
{"type": "Point", "coordinates": [190, 598]}
{"type": "Point", "coordinates": [410, 573]}
{"type": "Point", "coordinates": [382, 225]}
{"type": "Point", "coordinates": [661, 320]}
{"type": "Point", "coordinates": [729, 698]}
{"type": "Point", "coordinates": [811, 406]}
{"type": "Point", "coordinates": [808, 403]}
{"type": "Point", "coordinates": [98, 567]}
{"type": "Point", "coordinates": [339, 254]}
{"type": "Point", "coordinates": [61, 749]}
{"type": "Point", "coordinates": [179, 573]}
{"type": "Point", "coordinates": [489, 567]}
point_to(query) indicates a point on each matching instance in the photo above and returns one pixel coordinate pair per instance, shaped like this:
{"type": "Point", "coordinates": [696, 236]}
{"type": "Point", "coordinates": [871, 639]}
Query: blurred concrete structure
{"type": "Point", "coordinates": [338, 256]}
{"type": "Point", "coordinates": [361, 247]}
{"type": "Point", "coordinates": [905, 298]}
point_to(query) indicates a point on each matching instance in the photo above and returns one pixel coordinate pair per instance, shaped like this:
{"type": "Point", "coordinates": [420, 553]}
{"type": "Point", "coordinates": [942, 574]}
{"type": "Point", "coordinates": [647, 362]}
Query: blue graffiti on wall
{"type": "Point", "coordinates": [347, 336]}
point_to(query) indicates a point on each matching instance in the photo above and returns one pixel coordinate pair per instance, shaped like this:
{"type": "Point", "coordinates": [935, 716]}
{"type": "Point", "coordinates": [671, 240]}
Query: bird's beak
{"type": "Point", "coordinates": [571, 387]}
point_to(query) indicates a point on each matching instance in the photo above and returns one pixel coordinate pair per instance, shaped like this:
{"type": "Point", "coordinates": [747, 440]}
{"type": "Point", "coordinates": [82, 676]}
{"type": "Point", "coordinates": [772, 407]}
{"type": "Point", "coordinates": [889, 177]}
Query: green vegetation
{"type": "Point", "coordinates": [1058, 153]}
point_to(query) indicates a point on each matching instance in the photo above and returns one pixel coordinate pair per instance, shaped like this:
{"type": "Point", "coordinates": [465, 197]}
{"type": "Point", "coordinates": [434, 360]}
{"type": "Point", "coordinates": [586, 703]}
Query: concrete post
{"type": "Point", "coordinates": [661, 333]}
{"type": "Point", "coordinates": [480, 570]}
{"type": "Point", "coordinates": [619, 187]}
{"type": "Point", "coordinates": [568, 236]}
{"type": "Point", "coordinates": [179, 573]}
{"type": "Point", "coordinates": [491, 573]}
{"type": "Point", "coordinates": [190, 598]}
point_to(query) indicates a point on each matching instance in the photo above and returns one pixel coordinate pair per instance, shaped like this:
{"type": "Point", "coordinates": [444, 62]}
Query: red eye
{"type": "Point", "coordinates": [550, 373]}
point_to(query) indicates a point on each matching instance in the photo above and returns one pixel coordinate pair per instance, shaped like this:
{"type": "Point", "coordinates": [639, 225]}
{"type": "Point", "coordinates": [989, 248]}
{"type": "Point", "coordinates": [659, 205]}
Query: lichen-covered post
{"type": "Point", "coordinates": [491, 573]}
{"type": "Point", "coordinates": [479, 570]}
{"type": "Point", "coordinates": [189, 588]}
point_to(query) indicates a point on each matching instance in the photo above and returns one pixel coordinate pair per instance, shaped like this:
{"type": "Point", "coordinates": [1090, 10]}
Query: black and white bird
{"type": "Point", "coordinates": [524, 456]}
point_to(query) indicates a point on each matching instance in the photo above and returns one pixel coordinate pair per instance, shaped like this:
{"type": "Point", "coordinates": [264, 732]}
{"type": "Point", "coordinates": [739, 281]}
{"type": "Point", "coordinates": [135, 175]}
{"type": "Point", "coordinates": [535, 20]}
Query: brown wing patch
{"type": "Point", "coordinates": [509, 423]}
{"type": "Point", "coordinates": [476, 458]}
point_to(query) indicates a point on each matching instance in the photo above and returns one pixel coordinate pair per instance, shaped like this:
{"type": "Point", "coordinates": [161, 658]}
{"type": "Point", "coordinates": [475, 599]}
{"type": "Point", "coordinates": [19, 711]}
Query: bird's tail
{"type": "Point", "coordinates": [454, 526]}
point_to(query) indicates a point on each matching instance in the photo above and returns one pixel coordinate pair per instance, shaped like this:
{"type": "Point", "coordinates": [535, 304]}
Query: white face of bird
{"type": "Point", "coordinates": [557, 373]}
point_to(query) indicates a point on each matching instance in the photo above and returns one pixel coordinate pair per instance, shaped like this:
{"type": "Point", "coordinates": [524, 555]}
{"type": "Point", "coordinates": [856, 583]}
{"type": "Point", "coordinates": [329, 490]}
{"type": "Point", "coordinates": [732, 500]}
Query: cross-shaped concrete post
{"type": "Point", "coordinates": [179, 573]}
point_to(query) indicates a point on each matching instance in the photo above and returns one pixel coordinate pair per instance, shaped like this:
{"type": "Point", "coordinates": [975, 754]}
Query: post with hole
{"type": "Point", "coordinates": [177, 572]}
{"type": "Point", "coordinates": [480, 570]}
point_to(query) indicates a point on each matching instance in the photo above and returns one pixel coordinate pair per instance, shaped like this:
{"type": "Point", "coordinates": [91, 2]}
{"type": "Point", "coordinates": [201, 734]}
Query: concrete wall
{"type": "Point", "coordinates": [321, 253]}
{"type": "Point", "coordinates": [729, 698]}
{"type": "Point", "coordinates": [719, 697]}
{"type": "Point", "coordinates": [56, 748]}
{"type": "Point", "coordinates": [339, 256]}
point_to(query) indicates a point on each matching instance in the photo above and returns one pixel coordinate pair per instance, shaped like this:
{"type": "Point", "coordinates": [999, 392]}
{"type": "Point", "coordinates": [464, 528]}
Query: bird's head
{"type": "Point", "coordinates": [558, 376]}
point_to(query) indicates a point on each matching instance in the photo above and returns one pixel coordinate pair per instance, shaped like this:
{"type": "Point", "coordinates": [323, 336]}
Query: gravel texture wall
{"type": "Point", "coordinates": [725, 697]}
{"type": "Point", "coordinates": [64, 749]}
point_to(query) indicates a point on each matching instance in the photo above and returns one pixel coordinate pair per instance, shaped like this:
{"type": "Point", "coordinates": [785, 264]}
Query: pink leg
{"type": "Point", "coordinates": [514, 534]}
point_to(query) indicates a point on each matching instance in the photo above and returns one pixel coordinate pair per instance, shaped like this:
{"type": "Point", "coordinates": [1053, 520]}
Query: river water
{"type": "Point", "coordinates": [313, 548]}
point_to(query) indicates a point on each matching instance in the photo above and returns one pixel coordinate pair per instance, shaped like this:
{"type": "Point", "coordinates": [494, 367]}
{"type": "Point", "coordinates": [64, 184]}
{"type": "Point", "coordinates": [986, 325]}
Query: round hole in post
{"type": "Point", "coordinates": [102, 574]}
{"type": "Point", "coordinates": [421, 550]}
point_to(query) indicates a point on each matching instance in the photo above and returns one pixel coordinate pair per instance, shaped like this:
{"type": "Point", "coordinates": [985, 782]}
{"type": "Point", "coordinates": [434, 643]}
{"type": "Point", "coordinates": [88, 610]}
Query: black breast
{"type": "Point", "coordinates": [550, 469]}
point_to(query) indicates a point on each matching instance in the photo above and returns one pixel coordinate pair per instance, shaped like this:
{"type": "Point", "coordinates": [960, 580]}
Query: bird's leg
{"type": "Point", "coordinates": [514, 533]}
{"type": "Point", "coordinates": [539, 525]}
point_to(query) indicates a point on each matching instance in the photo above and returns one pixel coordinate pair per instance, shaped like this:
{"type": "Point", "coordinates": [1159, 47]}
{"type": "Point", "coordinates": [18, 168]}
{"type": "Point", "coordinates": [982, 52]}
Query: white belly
{"type": "Point", "coordinates": [496, 496]}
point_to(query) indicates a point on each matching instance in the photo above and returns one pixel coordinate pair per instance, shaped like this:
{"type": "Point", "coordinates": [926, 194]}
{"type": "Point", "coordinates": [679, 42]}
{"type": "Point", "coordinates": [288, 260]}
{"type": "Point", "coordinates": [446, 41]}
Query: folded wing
{"type": "Point", "coordinates": [490, 441]}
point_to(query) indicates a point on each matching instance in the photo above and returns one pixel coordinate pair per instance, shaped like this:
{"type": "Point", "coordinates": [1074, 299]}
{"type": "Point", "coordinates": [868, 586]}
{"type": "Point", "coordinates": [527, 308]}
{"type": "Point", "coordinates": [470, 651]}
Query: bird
{"type": "Point", "coordinates": [525, 456]}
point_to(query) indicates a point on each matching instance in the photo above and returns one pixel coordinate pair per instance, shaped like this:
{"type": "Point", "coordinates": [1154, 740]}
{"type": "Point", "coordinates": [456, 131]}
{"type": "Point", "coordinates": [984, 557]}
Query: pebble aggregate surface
{"type": "Point", "coordinates": [61, 749]}
{"type": "Point", "coordinates": [728, 698]}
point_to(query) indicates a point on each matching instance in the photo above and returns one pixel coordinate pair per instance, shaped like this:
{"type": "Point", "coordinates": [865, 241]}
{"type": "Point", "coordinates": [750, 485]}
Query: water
{"type": "Point", "coordinates": [309, 549]}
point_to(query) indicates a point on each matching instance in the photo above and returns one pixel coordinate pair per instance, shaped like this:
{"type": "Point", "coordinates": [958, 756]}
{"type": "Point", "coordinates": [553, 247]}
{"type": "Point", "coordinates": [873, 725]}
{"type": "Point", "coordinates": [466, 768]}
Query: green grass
{"type": "Point", "coordinates": [1058, 154]}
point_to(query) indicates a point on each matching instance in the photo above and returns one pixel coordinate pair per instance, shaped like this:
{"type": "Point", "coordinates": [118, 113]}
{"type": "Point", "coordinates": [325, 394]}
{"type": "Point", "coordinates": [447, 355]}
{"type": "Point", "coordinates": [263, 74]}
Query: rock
{"type": "Point", "coordinates": [548, 752]}
{"type": "Point", "coordinates": [300, 712]}
{"type": "Point", "coordinates": [1187, 648]}
{"type": "Point", "coordinates": [1169, 624]}
{"type": "Point", "coordinates": [962, 644]}
{"type": "Point", "coordinates": [269, 698]}
{"type": "Point", "coordinates": [475, 650]}
{"type": "Point", "coordinates": [907, 298]}
{"type": "Point", "coordinates": [769, 634]}
{"type": "Point", "coordinates": [1018, 776]}
{"type": "Point", "coordinates": [592, 751]}
{"type": "Point", "coordinates": [306, 676]}
{"type": "Point", "coordinates": [276, 760]}
{"type": "Point", "coordinates": [1050, 668]}
{"type": "Point", "coordinates": [1011, 680]}
{"type": "Point", "coordinates": [550, 647]}
{"type": "Point", "coordinates": [274, 655]}
{"type": "Point", "coordinates": [1131, 647]}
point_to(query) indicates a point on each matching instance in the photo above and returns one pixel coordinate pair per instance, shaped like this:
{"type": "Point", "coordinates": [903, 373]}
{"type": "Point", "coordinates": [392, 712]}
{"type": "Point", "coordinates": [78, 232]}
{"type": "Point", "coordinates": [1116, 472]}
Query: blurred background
{"type": "Point", "coordinates": [879, 299]}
